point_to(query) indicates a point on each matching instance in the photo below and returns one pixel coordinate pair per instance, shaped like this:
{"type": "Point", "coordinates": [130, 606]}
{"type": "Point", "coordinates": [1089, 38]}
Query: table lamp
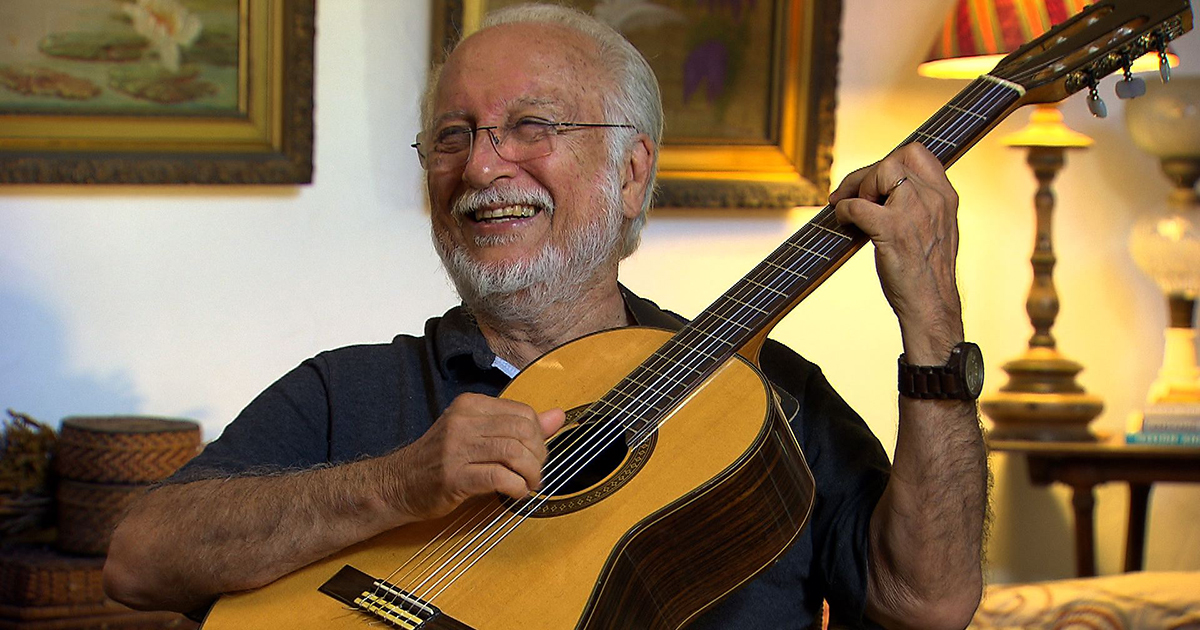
{"type": "Point", "coordinates": [1165, 241]}
{"type": "Point", "coordinates": [1041, 400]}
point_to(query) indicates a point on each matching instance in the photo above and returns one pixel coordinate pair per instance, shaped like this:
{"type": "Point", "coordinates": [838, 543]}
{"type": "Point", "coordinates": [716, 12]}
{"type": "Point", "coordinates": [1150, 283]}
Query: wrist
{"type": "Point", "coordinates": [959, 377]}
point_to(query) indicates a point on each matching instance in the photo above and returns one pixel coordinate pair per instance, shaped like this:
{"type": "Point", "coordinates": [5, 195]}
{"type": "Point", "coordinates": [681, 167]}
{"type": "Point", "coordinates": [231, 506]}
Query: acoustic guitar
{"type": "Point", "coordinates": [677, 478]}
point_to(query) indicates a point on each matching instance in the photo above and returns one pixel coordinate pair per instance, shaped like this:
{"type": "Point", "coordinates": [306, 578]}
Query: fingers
{"type": "Point", "coordinates": [480, 445]}
{"type": "Point", "coordinates": [908, 208]}
{"type": "Point", "coordinates": [878, 181]}
{"type": "Point", "coordinates": [498, 431]}
{"type": "Point", "coordinates": [551, 421]}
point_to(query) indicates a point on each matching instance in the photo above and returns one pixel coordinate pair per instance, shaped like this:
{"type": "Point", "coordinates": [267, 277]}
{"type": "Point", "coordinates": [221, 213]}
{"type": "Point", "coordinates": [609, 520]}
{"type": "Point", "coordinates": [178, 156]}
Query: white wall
{"type": "Point", "coordinates": [188, 301]}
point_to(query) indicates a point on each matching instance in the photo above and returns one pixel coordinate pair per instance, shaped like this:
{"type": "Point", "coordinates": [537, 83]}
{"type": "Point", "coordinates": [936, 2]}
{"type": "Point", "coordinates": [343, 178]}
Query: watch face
{"type": "Point", "coordinates": [973, 370]}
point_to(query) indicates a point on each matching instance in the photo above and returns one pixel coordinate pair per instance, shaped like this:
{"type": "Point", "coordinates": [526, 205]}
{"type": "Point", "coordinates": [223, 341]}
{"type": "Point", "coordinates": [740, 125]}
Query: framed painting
{"type": "Point", "coordinates": [748, 91]}
{"type": "Point", "coordinates": [156, 91]}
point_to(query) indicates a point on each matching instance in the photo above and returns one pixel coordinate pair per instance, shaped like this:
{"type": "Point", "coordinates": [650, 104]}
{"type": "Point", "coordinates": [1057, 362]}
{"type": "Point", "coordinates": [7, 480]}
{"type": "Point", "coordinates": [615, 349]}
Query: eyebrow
{"type": "Point", "coordinates": [525, 101]}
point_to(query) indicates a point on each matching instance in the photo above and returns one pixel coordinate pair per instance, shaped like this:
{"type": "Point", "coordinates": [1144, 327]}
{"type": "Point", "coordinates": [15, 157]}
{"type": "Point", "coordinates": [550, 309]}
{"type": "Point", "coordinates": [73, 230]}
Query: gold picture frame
{"type": "Point", "coordinates": [785, 165]}
{"type": "Point", "coordinates": [265, 135]}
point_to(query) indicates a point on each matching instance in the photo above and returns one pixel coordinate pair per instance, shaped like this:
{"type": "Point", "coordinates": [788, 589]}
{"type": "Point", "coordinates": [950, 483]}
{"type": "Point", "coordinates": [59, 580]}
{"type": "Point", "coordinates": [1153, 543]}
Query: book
{"type": "Point", "coordinates": [1171, 417]}
{"type": "Point", "coordinates": [1164, 438]}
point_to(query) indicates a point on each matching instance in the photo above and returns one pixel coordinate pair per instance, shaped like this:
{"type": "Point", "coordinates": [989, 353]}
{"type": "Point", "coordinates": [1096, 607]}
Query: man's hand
{"type": "Point", "coordinates": [478, 446]}
{"type": "Point", "coordinates": [908, 208]}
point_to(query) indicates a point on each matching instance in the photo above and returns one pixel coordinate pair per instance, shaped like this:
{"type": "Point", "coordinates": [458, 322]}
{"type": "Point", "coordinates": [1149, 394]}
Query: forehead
{"type": "Point", "coordinates": [514, 65]}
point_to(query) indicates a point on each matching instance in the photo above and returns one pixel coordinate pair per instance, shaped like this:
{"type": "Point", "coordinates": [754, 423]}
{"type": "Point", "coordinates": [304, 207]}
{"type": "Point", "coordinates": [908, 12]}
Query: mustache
{"type": "Point", "coordinates": [472, 201]}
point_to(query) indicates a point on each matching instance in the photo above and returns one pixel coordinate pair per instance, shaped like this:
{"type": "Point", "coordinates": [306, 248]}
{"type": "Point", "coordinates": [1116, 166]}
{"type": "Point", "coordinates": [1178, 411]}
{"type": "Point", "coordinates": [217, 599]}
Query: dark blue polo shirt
{"type": "Point", "coordinates": [367, 400]}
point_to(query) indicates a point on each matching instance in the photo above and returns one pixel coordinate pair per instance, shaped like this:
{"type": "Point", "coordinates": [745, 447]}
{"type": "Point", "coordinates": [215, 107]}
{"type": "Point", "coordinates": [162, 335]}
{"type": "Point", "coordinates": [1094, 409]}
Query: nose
{"type": "Point", "coordinates": [484, 164]}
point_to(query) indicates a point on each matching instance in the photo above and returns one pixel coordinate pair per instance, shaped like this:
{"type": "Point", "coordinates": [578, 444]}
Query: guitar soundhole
{"type": "Point", "coordinates": [597, 461]}
{"type": "Point", "coordinates": [574, 452]}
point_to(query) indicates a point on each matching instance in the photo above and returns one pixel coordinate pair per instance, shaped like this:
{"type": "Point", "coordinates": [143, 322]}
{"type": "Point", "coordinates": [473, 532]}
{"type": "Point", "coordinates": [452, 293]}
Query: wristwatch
{"type": "Point", "coordinates": [961, 378]}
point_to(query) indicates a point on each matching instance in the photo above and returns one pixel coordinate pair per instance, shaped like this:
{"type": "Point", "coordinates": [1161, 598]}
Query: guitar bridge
{"type": "Point", "coordinates": [385, 601]}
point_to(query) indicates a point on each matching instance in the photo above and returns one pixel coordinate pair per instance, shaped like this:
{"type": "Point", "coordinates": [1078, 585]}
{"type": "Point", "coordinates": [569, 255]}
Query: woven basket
{"type": "Point", "coordinates": [34, 576]}
{"type": "Point", "coordinates": [89, 512]}
{"type": "Point", "coordinates": [124, 450]}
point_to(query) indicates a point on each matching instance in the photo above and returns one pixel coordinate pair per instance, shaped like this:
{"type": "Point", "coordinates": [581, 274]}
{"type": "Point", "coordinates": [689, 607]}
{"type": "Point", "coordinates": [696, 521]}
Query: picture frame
{"type": "Point", "coordinates": [785, 163]}
{"type": "Point", "coordinates": [263, 136]}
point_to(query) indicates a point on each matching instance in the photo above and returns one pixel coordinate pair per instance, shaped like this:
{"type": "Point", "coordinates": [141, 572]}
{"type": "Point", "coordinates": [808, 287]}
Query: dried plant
{"type": "Point", "coordinates": [26, 495]}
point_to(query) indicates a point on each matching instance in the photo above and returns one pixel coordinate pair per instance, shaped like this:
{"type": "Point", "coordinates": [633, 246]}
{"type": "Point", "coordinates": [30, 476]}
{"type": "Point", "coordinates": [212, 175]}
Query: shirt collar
{"type": "Point", "coordinates": [459, 344]}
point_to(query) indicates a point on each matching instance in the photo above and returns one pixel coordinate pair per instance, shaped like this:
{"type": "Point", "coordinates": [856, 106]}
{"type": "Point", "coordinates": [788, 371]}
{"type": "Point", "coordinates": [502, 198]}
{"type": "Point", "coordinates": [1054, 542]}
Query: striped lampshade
{"type": "Point", "coordinates": [978, 33]}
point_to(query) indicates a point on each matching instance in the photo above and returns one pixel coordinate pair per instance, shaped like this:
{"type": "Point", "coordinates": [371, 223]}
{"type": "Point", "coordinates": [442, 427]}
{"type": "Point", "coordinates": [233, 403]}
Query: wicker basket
{"type": "Point", "coordinates": [123, 449]}
{"type": "Point", "coordinates": [35, 576]}
{"type": "Point", "coordinates": [89, 512]}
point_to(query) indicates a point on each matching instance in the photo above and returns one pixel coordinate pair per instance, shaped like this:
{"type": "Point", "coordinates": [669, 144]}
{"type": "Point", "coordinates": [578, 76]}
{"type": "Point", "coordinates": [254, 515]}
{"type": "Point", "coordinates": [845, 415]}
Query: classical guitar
{"type": "Point", "coordinates": [677, 478]}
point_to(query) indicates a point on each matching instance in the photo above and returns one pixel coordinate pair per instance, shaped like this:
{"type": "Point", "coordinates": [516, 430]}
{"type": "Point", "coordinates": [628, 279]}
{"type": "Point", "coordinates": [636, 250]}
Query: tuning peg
{"type": "Point", "coordinates": [1164, 66]}
{"type": "Point", "coordinates": [1096, 104]}
{"type": "Point", "coordinates": [1130, 87]}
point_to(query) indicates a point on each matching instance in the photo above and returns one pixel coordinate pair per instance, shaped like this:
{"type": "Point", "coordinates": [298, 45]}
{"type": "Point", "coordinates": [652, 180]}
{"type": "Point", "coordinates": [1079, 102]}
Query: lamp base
{"type": "Point", "coordinates": [1042, 401]}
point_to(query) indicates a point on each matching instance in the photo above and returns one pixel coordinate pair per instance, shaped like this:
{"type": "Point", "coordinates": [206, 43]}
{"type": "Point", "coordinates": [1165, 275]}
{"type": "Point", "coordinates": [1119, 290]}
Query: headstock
{"type": "Point", "coordinates": [1105, 37]}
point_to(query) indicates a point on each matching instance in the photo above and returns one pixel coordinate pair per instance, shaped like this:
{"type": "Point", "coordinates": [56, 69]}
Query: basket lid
{"type": "Point", "coordinates": [129, 424]}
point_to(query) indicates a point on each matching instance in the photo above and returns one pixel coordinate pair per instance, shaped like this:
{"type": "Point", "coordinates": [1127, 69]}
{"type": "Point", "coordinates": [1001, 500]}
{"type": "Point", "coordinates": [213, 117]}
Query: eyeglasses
{"type": "Point", "coordinates": [526, 139]}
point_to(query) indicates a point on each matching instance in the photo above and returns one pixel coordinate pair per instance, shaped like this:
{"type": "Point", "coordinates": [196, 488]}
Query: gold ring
{"type": "Point", "coordinates": [897, 184]}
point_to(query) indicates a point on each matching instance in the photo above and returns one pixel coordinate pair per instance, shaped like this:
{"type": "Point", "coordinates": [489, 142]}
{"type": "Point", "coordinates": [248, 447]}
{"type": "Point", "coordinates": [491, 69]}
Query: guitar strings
{"type": "Point", "coordinates": [823, 220]}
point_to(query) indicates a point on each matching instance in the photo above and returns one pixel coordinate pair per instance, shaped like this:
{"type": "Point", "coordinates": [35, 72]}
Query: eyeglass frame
{"type": "Point", "coordinates": [558, 127]}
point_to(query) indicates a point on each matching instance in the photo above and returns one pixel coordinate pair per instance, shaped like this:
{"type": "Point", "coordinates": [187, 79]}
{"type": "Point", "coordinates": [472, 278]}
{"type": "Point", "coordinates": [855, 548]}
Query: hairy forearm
{"type": "Point", "coordinates": [927, 530]}
{"type": "Point", "coordinates": [182, 545]}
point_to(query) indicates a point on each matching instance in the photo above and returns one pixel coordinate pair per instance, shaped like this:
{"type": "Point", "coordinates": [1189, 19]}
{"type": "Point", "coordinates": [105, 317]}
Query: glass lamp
{"type": "Point", "coordinates": [1165, 241]}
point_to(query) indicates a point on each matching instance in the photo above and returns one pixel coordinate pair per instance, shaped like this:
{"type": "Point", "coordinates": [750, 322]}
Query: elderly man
{"type": "Point", "coordinates": [540, 140]}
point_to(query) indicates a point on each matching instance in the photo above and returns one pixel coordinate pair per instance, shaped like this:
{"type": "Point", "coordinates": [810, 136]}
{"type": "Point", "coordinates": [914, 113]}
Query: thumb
{"type": "Point", "coordinates": [551, 421]}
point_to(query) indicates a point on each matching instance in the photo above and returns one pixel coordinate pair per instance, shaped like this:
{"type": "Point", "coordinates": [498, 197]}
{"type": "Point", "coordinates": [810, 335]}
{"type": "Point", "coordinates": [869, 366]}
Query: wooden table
{"type": "Point", "coordinates": [1084, 465]}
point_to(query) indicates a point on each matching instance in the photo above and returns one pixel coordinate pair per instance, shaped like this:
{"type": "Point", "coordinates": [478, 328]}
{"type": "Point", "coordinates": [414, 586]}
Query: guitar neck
{"type": "Point", "coordinates": [764, 295]}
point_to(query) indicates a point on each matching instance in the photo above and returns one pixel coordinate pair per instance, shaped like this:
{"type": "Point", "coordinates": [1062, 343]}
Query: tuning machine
{"type": "Point", "coordinates": [1095, 103]}
{"type": "Point", "coordinates": [1164, 65]}
{"type": "Point", "coordinates": [1130, 86]}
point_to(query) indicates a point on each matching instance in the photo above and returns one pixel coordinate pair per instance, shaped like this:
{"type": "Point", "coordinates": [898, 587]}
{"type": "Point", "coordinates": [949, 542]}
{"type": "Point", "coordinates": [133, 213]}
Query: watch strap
{"type": "Point", "coordinates": [937, 382]}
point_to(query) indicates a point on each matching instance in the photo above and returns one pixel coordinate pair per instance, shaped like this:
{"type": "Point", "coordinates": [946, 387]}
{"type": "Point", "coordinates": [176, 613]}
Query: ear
{"type": "Point", "coordinates": [635, 174]}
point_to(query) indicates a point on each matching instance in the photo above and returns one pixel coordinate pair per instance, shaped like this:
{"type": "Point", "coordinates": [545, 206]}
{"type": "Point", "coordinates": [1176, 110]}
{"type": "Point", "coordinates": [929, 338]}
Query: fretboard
{"type": "Point", "coordinates": [785, 277]}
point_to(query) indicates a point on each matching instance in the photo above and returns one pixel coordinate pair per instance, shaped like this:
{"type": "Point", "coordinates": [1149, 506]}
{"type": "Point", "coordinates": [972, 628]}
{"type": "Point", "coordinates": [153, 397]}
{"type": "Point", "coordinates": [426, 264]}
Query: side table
{"type": "Point", "coordinates": [1084, 465]}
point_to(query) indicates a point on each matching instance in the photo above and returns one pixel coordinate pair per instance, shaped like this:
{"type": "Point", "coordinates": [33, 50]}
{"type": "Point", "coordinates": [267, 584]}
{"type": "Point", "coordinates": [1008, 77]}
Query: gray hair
{"type": "Point", "coordinates": [636, 101]}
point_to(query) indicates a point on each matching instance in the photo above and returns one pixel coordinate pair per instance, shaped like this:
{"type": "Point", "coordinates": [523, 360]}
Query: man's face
{"type": "Point", "coordinates": [499, 77]}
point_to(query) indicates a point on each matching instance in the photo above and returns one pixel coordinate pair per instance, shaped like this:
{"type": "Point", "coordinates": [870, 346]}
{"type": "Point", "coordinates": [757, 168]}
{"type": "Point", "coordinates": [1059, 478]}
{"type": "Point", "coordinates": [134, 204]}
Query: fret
{"type": "Point", "coordinates": [831, 231]}
{"type": "Point", "coordinates": [734, 321]}
{"type": "Point", "coordinates": [630, 406]}
{"type": "Point", "coordinates": [652, 387]}
{"type": "Point", "coordinates": [794, 273]}
{"type": "Point", "coordinates": [655, 373]}
{"type": "Point", "coordinates": [691, 348]}
{"type": "Point", "coordinates": [967, 112]}
{"type": "Point", "coordinates": [807, 250]}
{"type": "Point", "coordinates": [746, 304]}
{"type": "Point", "coordinates": [761, 285]}
{"type": "Point", "coordinates": [936, 139]}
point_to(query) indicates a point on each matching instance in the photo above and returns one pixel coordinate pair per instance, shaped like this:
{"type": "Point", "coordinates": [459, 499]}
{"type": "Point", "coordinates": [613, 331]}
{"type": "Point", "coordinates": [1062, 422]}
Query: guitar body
{"type": "Point", "coordinates": [688, 516]}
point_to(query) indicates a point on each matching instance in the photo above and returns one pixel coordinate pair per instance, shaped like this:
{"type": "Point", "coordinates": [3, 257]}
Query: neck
{"type": "Point", "coordinates": [600, 307]}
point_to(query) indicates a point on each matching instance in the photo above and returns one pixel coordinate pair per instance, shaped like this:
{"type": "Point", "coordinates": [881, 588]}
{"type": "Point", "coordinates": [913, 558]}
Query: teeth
{"type": "Point", "coordinates": [507, 212]}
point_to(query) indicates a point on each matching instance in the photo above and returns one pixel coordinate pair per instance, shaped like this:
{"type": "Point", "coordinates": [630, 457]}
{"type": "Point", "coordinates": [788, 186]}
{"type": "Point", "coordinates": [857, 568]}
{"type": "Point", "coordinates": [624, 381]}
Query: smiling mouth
{"type": "Point", "coordinates": [504, 214]}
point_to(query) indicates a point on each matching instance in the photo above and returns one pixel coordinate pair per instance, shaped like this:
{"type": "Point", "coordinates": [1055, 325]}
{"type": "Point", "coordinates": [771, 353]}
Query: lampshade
{"type": "Point", "coordinates": [978, 33]}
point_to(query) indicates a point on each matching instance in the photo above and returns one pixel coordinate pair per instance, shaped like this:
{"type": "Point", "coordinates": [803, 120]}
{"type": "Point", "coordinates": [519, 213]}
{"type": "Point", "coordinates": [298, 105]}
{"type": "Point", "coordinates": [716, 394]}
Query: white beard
{"type": "Point", "coordinates": [519, 292]}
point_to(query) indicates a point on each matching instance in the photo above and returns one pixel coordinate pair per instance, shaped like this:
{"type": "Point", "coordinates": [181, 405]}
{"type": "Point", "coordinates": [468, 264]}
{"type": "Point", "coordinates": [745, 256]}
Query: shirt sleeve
{"type": "Point", "coordinates": [284, 428]}
{"type": "Point", "coordinates": [851, 470]}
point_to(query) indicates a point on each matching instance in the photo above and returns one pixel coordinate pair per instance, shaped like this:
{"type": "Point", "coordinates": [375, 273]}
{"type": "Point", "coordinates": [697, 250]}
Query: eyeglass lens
{"type": "Point", "coordinates": [526, 140]}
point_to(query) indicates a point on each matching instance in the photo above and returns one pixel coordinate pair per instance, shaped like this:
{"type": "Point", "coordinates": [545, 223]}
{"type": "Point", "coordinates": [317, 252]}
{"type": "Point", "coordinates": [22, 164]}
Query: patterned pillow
{"type": "Point", "coordinates": [1168, 601]}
